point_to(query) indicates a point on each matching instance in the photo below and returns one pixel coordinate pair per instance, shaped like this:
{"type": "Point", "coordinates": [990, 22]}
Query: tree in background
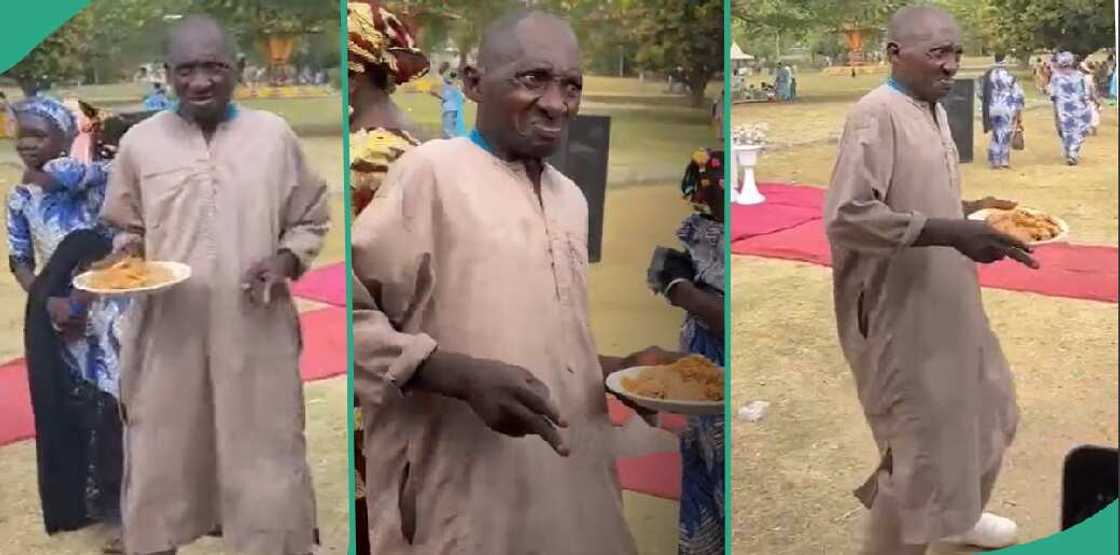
{"type": "Point", "coordinates": [110, 36]}
{"type": "Point", "coordinates": [1024, 27]}
{"type": "Point", "coordinates": [771, 26]}
{"type": "Point", "coordinates": [680, 37]}
{"type": "Point", "coordinates": [58, 58]}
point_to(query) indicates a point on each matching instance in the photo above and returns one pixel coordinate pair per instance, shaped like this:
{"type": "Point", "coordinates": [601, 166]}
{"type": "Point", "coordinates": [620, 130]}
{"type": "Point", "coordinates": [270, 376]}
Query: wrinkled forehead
{"type": "Point", "coordinates": [929, 30]}
{"type": "Point", "coordinates": [537, 42]}
{"type": "Point", "coordinates": [193, 47]}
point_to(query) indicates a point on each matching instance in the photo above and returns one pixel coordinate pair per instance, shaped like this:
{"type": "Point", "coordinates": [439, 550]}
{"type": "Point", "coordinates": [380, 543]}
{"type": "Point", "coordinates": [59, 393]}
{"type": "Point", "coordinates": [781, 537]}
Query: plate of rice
{"type": "Point", "coordinates": [691, 385]}
{"type": "Point", "coordinates": [132, 276]}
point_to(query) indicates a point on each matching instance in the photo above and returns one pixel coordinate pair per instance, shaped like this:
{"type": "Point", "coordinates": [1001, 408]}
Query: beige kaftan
{"type": "Point", "coordinates": [457, 251]}
{"type": "Point", "coordinates": [930, 374]}
{"type": "Point", "coordinates": [210, 382]}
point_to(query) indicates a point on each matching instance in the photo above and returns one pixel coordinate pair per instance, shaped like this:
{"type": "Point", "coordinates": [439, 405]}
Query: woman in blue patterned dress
{"type": "Point", "coordinates": [693, 280]}
{"type": "Point", "coordinates": [1002, 103]}
{"type": "Point", "coordinates": [71, 338]}
{"type": "Point", "coordinates": [1071, 104]}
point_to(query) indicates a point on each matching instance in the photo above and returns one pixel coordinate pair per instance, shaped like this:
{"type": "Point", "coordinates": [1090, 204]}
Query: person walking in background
{"type": "Point", "coordinates": [783, 81]}
{"type": "Point", "coordinates": [1087, 69]}
{"type": "Point", "coordinates": [1002, 102]}
{"type": "Point", "coordinates": [157, 99]}
{"type": "Point", "coordinates": [1071, 101]}
{"type": "Point", "coordinates": [1042, 75]}
{"type": "Point", "coordinates": [792, 83]}
{"type": "Point", "coordinates": [1112, 87]}
{"type": "Point", "coordinates": [451, 103]}
{"type": "Point", "coordinates": [1102, 72]}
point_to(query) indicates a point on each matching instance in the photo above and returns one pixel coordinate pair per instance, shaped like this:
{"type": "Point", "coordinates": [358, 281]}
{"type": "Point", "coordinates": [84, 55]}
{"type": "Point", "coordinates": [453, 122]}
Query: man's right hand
{"type": "Point", "coordinates": [507, 398]}
{"type": "Point", "coordinates": [976, 240]}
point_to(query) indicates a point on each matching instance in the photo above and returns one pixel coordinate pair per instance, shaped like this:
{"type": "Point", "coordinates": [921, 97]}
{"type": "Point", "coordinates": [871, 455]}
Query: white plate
{"type": "Point", "coordinates": [982, 215]}
{"type": "Point", "coordinates": [696, 408]}
{"type": "Point", "coordinates": [179, 273]}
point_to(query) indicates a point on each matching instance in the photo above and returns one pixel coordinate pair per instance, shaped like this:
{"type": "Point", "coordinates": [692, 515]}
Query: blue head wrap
{"type": "Point", "coordinates": [51, 110]}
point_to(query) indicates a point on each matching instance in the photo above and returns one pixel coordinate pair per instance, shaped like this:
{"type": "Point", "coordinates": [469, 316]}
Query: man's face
{"type": "Point", "coordinates": [926, 62]}
{"type": "Point", "coordinates": [38, 141]}
{"type": "Point", "coordinates": [526, 99]}
{"type": "Point", "coordinates": [202, 76]}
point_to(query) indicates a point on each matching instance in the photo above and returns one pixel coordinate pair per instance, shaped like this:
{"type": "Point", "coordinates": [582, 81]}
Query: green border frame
{"type": "Point", "coordinates": [728, 407]}
{"type": "Point", "coordinates": [1096, 535]}
{"type": "Point", "coordinates": [351, 469]}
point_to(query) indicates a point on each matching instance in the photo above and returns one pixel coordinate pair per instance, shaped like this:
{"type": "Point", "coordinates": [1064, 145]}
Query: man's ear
{"type": "Point", "coordinates": [472, 82]}
{"type": "Point", "coordinates": [892, 50]}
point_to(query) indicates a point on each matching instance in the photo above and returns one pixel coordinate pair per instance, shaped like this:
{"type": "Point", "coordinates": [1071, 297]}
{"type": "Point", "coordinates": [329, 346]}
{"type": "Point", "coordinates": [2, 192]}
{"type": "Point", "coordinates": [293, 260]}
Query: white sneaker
{"type": "Point", "coordinates": [990, 532]}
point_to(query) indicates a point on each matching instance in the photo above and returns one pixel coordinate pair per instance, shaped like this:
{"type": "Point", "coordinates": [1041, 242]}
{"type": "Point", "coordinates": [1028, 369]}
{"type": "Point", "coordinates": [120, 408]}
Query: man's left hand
{"type": "Point", "coordinates": [261, 277]}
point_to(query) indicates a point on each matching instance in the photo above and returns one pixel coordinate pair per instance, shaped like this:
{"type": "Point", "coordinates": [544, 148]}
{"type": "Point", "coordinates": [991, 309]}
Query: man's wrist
{"type": "Point", "coordinates": [937, 232]}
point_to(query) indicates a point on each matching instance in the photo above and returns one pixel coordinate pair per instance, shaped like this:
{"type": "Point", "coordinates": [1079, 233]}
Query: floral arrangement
{"type": "Point", "coordinates": [750, 134]}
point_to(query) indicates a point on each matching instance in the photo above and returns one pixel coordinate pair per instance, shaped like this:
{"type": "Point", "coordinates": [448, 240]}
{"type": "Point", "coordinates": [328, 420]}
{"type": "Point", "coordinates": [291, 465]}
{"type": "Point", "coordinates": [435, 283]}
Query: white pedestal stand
{"type": "Point", "coordinates": [743, 160]}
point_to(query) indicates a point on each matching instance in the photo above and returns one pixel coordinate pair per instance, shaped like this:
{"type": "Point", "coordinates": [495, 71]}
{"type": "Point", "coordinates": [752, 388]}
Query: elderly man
{"type": "Point", "coordinates": [471, 327]}
{"type": "Point", "coordinates": [931, 377]}
{"type": "Point", "coordinates": [210, 385]}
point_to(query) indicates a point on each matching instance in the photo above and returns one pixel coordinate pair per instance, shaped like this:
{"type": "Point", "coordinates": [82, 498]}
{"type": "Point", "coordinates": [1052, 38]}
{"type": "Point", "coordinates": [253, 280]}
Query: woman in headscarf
{"type": "Point", "coordinates": [1002, 102]}
{"type": "Point", "coordinates": [381, 56]}
{"type": "Point", "coordinates": [693, 280]}
{"type": "Point", "coordinates": [70, 338]}
{"type": "Point", "coordinates": [1071, 105]}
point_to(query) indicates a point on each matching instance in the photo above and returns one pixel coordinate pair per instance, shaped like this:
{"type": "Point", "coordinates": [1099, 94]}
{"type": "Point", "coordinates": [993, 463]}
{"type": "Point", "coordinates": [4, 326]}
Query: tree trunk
{"type": "Point", "coordinates": [29, 86]}
{"type": "Point", "coordinates": [696, 84]}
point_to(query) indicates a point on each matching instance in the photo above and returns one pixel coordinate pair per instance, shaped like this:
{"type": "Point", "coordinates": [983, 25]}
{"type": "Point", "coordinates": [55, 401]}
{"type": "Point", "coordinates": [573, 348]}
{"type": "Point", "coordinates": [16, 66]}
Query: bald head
{"type": "Point", "coordinates": [507, 38]}
{"type": "Point", "coordinates": [195, 30]}
{"type": "Point", "coordinates": [917, 23]}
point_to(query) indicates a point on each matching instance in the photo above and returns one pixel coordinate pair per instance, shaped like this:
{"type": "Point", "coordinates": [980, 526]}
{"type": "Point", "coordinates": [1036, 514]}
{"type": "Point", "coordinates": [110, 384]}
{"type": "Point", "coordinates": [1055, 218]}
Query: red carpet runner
{"type": "Point", "coordinates": [788, 226]}
{"type": "Point", "coordinates": [326, 285]}
{"type": "Point", "coordinates": [324, 356]}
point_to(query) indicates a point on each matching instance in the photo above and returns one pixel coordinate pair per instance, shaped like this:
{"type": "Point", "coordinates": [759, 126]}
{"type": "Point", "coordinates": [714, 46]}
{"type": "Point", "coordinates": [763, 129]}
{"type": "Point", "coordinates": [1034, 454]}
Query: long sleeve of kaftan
{"type": "Point", "coordinates": [306, 217]}
{"type": "Point", "coordinates": [393, 281]}
{"type": "Point", "coordinates": [857, 216]}
{"type": "Point", "coordinates": [122, 209]}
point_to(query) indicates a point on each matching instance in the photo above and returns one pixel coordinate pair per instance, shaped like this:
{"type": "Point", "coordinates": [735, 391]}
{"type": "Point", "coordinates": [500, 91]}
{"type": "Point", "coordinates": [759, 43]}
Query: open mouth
{"type": "Point", "coordinates": [201, 102]}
